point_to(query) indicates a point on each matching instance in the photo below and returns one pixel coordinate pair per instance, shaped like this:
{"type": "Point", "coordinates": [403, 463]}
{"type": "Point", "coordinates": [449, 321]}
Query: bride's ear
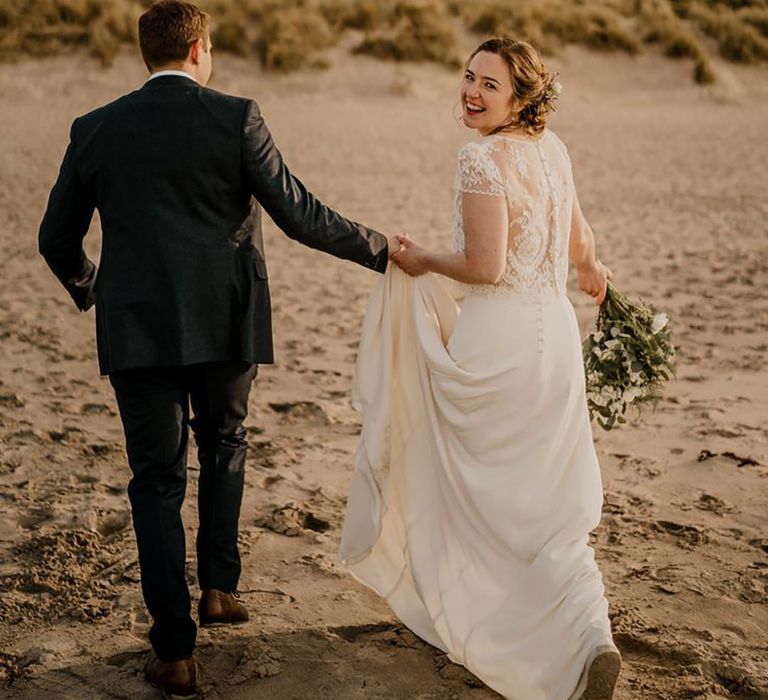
{"type": "Point", "coordinates": [514, 109]}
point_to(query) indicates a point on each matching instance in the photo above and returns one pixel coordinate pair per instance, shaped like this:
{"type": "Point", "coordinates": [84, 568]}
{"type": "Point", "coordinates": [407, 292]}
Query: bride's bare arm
{"type": "Point", "coordinates": [581, 245]}
{"type": "Point", "coordinates": [483, 259]}
{"type": "Point", "coordinates": [593, 276]}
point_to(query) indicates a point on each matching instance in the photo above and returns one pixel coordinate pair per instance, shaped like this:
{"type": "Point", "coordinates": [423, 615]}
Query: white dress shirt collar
{"type": "Point", "coordinates": [161, 73]}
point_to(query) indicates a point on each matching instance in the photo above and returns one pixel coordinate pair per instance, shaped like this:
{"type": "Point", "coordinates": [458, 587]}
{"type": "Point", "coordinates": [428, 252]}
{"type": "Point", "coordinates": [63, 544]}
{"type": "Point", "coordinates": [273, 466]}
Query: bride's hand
{"type": "Point", "coordinates": [411, 258]}
{"type": "Point", "coordinates": [593, 280]}
{"type": "Point", "coordinates": [393, 245]}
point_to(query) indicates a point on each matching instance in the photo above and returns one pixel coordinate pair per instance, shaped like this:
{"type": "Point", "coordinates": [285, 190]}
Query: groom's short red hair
{"type": "Point", "coordinates": [168, 29]}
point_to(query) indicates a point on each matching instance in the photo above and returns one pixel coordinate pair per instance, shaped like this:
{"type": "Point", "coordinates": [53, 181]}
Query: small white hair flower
{"type": "Point", "coordinates": [553, 91]}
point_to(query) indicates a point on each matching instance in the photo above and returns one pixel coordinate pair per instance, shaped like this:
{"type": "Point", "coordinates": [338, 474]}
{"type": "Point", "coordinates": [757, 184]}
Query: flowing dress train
{"type": "Point", "coordinates": [476, 482]}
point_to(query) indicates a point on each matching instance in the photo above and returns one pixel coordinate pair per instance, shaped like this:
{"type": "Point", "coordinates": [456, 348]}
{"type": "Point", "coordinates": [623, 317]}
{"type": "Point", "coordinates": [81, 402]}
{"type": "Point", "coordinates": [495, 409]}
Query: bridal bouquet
{"type": "Point", "coordinates": [627, 359]}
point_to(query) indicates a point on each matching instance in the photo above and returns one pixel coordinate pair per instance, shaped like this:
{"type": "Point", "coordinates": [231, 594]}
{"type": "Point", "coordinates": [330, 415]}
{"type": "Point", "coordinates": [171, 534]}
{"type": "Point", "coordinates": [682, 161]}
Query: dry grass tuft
{"type": "Point", "coordinates": [664, 27]}
{"type": "Point", "coordinates": [756, 17]}
{"type": "Point", "coordinates": [549, 25]}
{"type": "Point", "coordinates": [505, 18]}
{"type": "Point", "coordinates": [47, 27]}
{"type": "Point", "coordinates": [415, 30]}
{"type": "Point", "coordinates": [702, 72]}
{"type": "Point", "coordinates": [364, 15]}
{"type": "Point", "coordinates": [595, 27]}
{"type": "Point", "coordinates": [291, 38]}
{"type": "Point", "coordinates": [290, 34]}
{"type": "Point", "coordinates": [737, 40]}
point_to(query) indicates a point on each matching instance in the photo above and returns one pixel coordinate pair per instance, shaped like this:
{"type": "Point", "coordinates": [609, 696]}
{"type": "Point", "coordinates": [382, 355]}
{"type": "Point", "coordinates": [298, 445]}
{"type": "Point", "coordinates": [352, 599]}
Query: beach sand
{"type": "Point", "coordinates": [671, 176]}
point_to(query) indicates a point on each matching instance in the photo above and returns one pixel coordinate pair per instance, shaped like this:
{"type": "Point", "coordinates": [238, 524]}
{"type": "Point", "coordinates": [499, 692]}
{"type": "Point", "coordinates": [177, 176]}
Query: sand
{"type": "Point", "coordinates": [672, 178]}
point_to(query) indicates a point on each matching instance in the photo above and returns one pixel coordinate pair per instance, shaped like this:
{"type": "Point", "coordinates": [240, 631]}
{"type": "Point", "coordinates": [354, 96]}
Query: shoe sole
{"type": "Point", "coordinates": [175, 696]}
{"type": "Point", "coordinates": [602, 676]}
{"type": "Point", "coordinates": [209, 625]}
{"type": "Point", "coordinates": [167, 695]}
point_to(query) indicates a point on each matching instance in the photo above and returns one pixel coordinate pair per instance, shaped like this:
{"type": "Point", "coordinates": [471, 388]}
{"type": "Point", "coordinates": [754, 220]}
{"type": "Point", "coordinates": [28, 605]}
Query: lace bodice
{"type": "Point", "coordinates": [535, 178]}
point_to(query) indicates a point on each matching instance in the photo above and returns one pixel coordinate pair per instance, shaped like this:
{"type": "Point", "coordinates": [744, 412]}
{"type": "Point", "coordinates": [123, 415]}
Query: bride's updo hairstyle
{"type": "Point", "coordinates": [533, 86]}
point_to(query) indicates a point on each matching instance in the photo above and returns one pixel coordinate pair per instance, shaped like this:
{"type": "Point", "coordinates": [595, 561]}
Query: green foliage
{"type": "Point", "coordinates": [627, 359]}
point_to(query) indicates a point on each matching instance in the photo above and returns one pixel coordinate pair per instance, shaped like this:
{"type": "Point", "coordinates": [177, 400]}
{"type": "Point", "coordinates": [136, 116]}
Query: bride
{"type": "Point", "coordinates": [476, 482]}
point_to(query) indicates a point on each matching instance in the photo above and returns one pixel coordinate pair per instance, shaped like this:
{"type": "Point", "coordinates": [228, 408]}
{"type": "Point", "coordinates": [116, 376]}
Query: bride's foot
{"type": "Point", "coordinates": [602, 673]}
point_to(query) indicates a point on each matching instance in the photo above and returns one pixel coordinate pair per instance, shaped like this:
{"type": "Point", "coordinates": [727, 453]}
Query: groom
{"type": "Point", "coordinates": [179, 174]}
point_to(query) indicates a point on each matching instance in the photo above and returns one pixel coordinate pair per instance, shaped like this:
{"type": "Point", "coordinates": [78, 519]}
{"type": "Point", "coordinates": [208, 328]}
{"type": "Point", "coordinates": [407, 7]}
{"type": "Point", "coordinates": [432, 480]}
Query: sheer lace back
{"type": "Point", "coordinates": [535, 178]}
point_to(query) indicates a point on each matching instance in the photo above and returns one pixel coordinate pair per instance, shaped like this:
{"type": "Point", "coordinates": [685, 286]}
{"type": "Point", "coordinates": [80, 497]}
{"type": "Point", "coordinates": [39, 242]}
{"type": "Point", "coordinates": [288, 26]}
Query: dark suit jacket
{"type": "Point", "coordinates": [179, 174]}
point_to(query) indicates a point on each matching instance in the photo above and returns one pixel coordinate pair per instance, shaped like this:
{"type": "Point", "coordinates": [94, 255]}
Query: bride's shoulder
{"type": "Point", "coordinates": [479, 150]}
{"type": "Point", "coordinates": [557, 141]}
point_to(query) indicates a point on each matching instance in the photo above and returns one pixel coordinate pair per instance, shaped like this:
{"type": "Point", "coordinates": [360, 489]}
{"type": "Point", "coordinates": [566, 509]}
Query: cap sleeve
{"type": "Point", "coordinates": [562, 147]}
{"type": "Point", "coordinates": [477, 173]}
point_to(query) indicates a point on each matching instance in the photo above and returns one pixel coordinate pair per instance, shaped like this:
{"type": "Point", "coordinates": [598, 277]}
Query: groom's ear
{"type": "Point", "coordinates": [197, 47]}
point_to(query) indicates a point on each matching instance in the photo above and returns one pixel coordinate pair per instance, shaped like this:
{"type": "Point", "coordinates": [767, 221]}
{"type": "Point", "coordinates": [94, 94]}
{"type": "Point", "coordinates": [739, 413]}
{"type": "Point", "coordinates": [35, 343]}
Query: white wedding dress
{"type": "Point", "coordinates": [476, 481]}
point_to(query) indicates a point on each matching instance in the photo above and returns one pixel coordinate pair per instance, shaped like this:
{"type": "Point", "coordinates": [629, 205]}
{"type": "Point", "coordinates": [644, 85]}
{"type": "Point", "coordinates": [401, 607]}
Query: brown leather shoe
{"type": "Point", "coordinates": [220, 608]}
{"type": "Point", "coordinates": [174, 678]}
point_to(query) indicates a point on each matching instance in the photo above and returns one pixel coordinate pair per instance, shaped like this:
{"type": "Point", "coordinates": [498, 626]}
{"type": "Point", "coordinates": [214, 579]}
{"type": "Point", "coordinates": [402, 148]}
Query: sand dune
{"type": "Point", "coordinates": [672, 178]}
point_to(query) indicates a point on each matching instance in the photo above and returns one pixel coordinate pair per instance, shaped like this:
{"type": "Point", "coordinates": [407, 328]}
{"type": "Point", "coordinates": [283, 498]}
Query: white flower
{"type": "Point", "coordinates": [598, 400]}
{"type": "Point", "coordinates": [597, 336]}
{"type": "Point", "coordinates": [659, 321]}
{"type": "Point", "coordinates": [610, 392]}
{"type": "Point", "coordinates": [553, 91]}
{"type": "Point", "coordinates": [630, 395]}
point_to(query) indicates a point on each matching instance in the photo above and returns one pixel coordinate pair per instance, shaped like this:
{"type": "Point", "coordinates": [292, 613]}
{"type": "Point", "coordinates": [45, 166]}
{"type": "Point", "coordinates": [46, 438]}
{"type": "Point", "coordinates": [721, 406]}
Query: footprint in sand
{"type": "Point", "coordinates": [713, 504]}
{"type": "Point", "coordinates": [66, 435]}
{"type": "Point", "coordinates": [293, 520]}
{"type": "Point", "coordinates": [687, 536]}
{"type": "Point", "coordinates": [109, 523]}
{"type": "Point", "coordinates": [305, 411]}
{"type": "Point", "coordinates": [379, 633]}
{"type": "Point", "coordinates": [256, 662]}
{"type": "Point", "coordinates": [11, 400]}
{"type": "Point", "coordinates": [96, 409]}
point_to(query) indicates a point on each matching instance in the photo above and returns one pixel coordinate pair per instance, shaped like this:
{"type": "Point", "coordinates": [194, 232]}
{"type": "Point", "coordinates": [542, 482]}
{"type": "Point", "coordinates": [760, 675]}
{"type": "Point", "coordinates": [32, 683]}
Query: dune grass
{"type": "Point", "coordinates": [414, 31]}
{"type": "Point", "coordinates": [661, 25]}
{"type": "Point", "coordinates": [47, 27]}
{"type": "Point", "coordinates": [287, 35]}
{"type": "Point", "coordinates": [737, 39]}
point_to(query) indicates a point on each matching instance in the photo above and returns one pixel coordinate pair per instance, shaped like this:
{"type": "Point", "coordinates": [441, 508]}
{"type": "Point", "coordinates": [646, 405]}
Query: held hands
{"type": "Point", "coordinates": [593, 280]}
{"type": "Point", "coordinates": [410, 257]}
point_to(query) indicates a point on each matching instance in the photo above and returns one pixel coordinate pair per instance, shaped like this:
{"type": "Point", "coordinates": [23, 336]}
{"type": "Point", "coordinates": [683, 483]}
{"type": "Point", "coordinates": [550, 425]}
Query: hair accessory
{"type": "Point", "coordinates": [552, 92]}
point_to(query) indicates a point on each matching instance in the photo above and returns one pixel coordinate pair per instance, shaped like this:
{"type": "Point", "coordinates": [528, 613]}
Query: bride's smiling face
{"type": "Point", "coordinates": [486, 93]}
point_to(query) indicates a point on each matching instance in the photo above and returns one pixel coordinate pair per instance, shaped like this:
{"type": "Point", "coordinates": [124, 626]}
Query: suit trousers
{"type": "Point", "coordinates": [154, 407]}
